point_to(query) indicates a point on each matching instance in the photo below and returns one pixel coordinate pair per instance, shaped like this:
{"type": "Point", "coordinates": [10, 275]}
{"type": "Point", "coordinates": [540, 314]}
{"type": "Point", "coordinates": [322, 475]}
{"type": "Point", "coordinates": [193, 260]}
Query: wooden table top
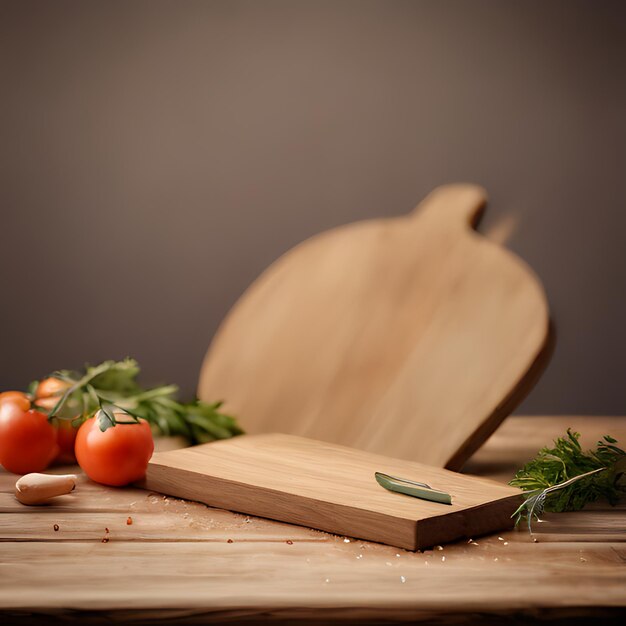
{"type": "Point", "coordinates": [130, 555]}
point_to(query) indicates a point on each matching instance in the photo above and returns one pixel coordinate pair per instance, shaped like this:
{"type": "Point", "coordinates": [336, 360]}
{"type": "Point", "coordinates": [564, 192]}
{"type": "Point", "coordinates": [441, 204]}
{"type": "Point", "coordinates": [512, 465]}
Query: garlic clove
{"type": "Point", "coordinates": [39, 488]}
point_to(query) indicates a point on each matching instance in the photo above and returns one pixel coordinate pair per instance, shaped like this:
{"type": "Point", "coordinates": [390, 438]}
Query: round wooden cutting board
{"type": "Point", "coordinates": [412, 337]}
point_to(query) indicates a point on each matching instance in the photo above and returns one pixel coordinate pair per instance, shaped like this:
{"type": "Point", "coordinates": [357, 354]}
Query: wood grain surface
{"type": "Point", "coordinates": [330, 487]}
{"type": "Point", "coordinates": [410, 337]}
{"type": "Point", "coordinates": [176, 562]}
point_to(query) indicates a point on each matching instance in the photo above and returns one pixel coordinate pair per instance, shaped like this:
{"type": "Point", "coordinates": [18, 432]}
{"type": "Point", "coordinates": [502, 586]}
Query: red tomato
{"type": "Point", "coordinates": [27, 440]}
{"type": "Point", "coordinates": [51, 387]}
{"type": "Point", "coordinates": [17, 397]}
{"type": "Point", "coordinates": [46, 403]}
{"type": "Point", "coordinates": [119, 455]}
{"type": "Point", "coordinates": [47, 395]}
{"type": "Point", "coordinates": [66, 436]}
{"type": "Point", "coordinates": [66, 433]}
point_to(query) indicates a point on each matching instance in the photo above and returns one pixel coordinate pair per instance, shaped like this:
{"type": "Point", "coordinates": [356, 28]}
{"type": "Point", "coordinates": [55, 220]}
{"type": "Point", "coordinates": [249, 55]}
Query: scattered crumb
{"type": "Point", "coordinates": [105, 540]}
{"type": "Point", "coordinates": [129, 520]}
{"type": "Point", "coordinates": [438, 547]}
{"type": "Point", "coordinates": [443, 558]}
{"type": "Point", "coordinates": [535, 540]}
{"type": "Point", "coordinates": [496, 558]}
{"type": "Point", "coordinates": [346, 540]}
{"type": "Point", "coordinates": [500, 538]}
{"type": "Point", "coordinates": [402, 579]}
{"type": "Point", "coordinates": [583, 560]}
{"type": "Point", "coordinates": [56, 528]}
{"type": "Point", "coordinates": [229, 541]}
{"type": "Point", "coordinates": [106, 530]}
{"type": "Point", "coordinates": [474, 543]}
{"type": "Point", "coordinates": [289, 542]}
{"type": "Point", "coordinates": [470, 541]}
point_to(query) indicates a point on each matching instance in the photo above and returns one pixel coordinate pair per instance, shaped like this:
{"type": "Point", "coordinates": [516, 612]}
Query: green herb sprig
{"type": "Point", "coordinates": [566, 478]}
{"type": "Point", "coordinates": [112, 386]}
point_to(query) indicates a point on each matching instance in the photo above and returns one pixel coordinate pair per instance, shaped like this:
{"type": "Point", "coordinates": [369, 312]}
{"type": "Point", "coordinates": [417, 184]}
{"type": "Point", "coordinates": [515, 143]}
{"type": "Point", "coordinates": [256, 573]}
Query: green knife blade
{"type": "Point", "coordinates": [412, 488]}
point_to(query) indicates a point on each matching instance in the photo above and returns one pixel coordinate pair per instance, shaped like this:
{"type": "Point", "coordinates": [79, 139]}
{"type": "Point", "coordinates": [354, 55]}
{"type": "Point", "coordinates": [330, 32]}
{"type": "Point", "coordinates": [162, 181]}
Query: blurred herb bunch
{"type": "Point", "coordinates": [112, 386]}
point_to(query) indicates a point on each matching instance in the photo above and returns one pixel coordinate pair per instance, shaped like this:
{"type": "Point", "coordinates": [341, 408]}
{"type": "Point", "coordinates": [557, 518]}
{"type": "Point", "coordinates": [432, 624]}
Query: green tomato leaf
{"type": "Point", "coordinates": [106, 417]}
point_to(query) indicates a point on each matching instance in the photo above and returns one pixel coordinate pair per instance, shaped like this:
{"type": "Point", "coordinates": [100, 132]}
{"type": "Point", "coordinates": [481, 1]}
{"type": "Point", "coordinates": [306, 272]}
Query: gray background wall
{"type": "Point", "coordinates": [156, 156]}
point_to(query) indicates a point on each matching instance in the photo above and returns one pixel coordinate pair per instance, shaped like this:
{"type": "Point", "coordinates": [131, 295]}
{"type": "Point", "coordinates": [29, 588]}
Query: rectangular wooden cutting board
{"type": "Point", "coordinates": [332, 488]}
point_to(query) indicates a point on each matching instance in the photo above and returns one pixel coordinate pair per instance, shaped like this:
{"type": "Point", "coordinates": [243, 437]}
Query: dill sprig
{"type": "Point", "coordinates": [566, 478]}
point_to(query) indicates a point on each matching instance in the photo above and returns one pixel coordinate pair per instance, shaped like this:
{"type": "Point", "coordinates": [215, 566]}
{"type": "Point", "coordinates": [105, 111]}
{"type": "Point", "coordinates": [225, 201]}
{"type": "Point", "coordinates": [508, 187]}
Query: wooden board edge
{"type": "Point", "coordinates": [338, 519]}
{"type": "Point", "coordinates": [469, 523]}
{"type": "Point", "coordinates": [536, 367]}
{"type": "Point", "coordinates": [515, 396]}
